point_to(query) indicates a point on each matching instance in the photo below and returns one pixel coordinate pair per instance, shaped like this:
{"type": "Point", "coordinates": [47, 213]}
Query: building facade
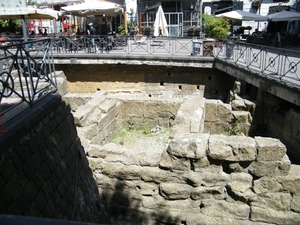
{"type": "Point", "coordinates": [183, 14]}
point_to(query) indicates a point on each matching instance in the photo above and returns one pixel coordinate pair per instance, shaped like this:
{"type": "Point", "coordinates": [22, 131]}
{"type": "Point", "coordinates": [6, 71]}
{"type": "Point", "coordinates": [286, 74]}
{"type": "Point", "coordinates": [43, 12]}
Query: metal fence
{"type": "Point", "coordinates": [27, 72]}
{"type": "Point", "coordinates": [279, 63]}
{"type": "Point", "coordinates": [27, 69]}
{"type": "Point", "coordinates": [125, 45]}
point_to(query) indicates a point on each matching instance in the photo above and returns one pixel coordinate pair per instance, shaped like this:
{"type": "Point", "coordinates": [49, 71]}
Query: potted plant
{"type": "Point", "coordinates": [197, 31]}
{"type": "Point", "coordinates": [121, 30]}
{"type": "Point", "coordinates": [146, 30]}
{"type": "Point", "coordinates": [191, 31]}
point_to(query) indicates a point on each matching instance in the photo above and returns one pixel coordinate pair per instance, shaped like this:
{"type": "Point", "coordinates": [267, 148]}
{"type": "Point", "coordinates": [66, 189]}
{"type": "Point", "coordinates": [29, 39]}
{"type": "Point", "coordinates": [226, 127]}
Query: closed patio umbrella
{"type": "Point", "coordinates": [160, 23]}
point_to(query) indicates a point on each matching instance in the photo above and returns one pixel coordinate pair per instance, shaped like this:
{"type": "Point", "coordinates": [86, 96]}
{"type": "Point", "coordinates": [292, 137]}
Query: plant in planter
{"type": "Point", "coordinates": [215, 27]}
{"type": "Point", "coordinates": [121, 30]}
{"type": "Point", "coordinates": [197, 31]}
{"type": "Point", "coordinates": [146, 30]}
{"type": "Point", "coordinates": [191, 31]}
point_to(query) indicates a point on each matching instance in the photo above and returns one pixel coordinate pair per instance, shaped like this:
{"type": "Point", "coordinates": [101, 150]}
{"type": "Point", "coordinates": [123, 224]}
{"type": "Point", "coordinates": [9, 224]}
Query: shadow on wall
{"type": "Point", "coordinates": [124, 207]}
{"type": "Point", "coordinates": [44, 172]}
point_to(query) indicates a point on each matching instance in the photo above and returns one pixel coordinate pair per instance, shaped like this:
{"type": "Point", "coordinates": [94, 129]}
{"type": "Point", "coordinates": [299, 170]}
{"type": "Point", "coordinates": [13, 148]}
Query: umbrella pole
{"type": "Point", "coordinates": [24, 28]}
{"type": "Point", "coordinates": [125, 21]}
{"type": "Point", "coordinates": [140, 22]}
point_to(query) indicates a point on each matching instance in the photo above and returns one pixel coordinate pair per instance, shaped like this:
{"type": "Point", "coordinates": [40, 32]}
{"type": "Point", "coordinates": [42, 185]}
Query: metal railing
{"type": "Point", "coordinates": [27, 69]}
{"type": "Point", "coordinates": [124, 45]}
{"type": "Point", "coordinates": [279, 63]}
{"type": "Point", "coordinates": [26, 72]}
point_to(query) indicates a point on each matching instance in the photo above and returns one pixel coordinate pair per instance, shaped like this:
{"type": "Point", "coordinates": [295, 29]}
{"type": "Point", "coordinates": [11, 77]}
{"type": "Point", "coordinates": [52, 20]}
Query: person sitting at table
{"type": "Point", "coordinates": [256, 33]}
{"type": "Point", "coordinates": [45, 32]}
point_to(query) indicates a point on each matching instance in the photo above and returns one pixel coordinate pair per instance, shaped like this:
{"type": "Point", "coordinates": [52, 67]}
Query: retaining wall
{"type": "Point", "coordinates": [199, 178]}
{"type": "Point", "coordinates": [43, 168]}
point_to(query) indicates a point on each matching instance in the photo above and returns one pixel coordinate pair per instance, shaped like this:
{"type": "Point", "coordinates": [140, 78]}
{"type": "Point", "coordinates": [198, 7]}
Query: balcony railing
{"type": "Point", "coordinates": [26, 72]}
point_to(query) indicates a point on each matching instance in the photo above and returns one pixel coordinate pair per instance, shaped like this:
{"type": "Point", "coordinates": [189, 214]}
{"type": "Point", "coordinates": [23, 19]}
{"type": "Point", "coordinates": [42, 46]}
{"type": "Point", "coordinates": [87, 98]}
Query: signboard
{"type": "Point", "coordinates": [13, 7]}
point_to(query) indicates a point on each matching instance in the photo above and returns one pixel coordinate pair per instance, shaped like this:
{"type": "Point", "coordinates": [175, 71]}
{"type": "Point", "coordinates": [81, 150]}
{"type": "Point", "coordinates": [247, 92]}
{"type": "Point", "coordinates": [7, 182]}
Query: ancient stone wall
{"type": "Point", "coordinates": [99, 119]}
{"type": "Point", "coordinates": [149, 80]}
{"type": "Point", "coordinates": [43, 168]}
{"type": "Point", "coordinates": [199, 178]}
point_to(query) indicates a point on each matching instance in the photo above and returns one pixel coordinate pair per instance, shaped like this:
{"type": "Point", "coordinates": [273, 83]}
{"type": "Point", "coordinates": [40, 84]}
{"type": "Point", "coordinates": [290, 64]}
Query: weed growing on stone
{"type": "Point", "coordinates": [147, 129]}
{"type": "Point", "coordinates": [133, 137]}
{"type": "Point", "coordinates": [233, 129]}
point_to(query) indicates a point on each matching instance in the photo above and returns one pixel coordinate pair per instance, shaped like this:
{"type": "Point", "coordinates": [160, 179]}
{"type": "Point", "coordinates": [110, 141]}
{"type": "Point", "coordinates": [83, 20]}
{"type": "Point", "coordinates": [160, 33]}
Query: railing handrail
{"type": "Point", "coordinates": [279, 63]}
{"type": "Point", "coordinates": [27, 68]}
{"type": "Point", "coordinates": [27, 72]}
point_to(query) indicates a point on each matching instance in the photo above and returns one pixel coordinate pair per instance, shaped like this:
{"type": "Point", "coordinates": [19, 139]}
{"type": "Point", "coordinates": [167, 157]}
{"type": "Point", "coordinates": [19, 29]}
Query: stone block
{"type": "Point", "coordinates": [175, 191]}
{"type": "Point", "coordinates": [185, 205]}
{"type": "Point", "coordinates": [232, 148]}
{"type": "Point", "coordinates": [94, 163]}
{"type": "Point", "coordinates": [211, 111]}
{"type": "Point", "coordinates": [163, 109]}
{"type": "Point", "coordinates": [291, 181]}
{"type": "Point", "coordinates": [217, 111]}
{"type": "Point", "coordinates": [76, 101]}
{"type": "Point", "coordinates": [89, 109]}
{"type": "Point", "coordinates": [107, 105]}
{"type": "Point", "coordinates": [198, 164]}
{"type": "Point", "coordinates": [121, 171]}
{"type": "Point", "coordinates": [153, 174]}
{"type": "Point", "coordinates": [238, 105]}
{"type": "Point", "coordinates": [242, 117]}
{"type": "Point", "coordinates": [190, 115]}
{"type": "Point", "coordinates": [295, 206]}
{"type": "Point", "coordinates": [270, 168]}
{"type": "Point", "coordinates": [131, 108]}
{"type": "Point", "coordinates": [189, 146]}
{"type": "Point", "coordinates": [219, 208]}
{"type": "Point", "coordinates": [269, 149]}
{"type": "Point", "coordinates": [166, 160]}
{"type": "Point", "coordinates": [251, 106]}
{"type": "Point", "coordinates": [89, 132]}
{"type": "Point", "coordinates": [62, 86]}
{"type": "Point", "coordinates": [216, 127]}
{"type": "Point", "coordinates": [240, 182]}
{"type": "Point", "coordinates": [277, 201]}
{"type": "Point", "coordinates": [266, 185]}
{"type": "Point", "coordinates": [217, 192]}
{"type": "Point", "coordinates": [207, 176]}
{"type": "Point", "coordinates": [211, 179]}
{"type": "Point", "coordinates": [273, 216]}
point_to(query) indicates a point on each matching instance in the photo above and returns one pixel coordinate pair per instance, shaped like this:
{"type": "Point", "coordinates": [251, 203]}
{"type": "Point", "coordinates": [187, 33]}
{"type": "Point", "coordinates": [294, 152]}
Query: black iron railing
{"type": "Point", "coordinates": [124, 45]}
{"type": "Point", "coordinates": [26, 72]}
{"type": "Point", "coordinates": [279, 63]}
{"type": "Point", "coordinates": [27, 69]}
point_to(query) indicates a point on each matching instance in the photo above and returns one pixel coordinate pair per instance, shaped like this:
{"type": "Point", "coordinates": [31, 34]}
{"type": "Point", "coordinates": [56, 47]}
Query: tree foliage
{"type": "Point", "coordinates": [215, 27]}
{"type": "Point", "coordinates": [10, 25]}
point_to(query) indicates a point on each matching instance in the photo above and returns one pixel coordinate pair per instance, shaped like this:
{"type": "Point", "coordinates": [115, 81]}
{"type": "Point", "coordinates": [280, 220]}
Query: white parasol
{"type": "Point", "coordinates": [284, 16]}
{"type": "Point", "coordinates": [242, 15]}
{"type": "Point", "coordinates": [92, 8]}
{"type": "Point", "coordinates": [160, 23]}
{"type": "Point", "coordinates": [31, 12]}
{"type": "Point", "coordinates": [28, 12]}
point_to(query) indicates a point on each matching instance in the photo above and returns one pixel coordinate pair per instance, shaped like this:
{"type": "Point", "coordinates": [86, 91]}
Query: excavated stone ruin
{"type": "Point", "coordinates": [192, 174]}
